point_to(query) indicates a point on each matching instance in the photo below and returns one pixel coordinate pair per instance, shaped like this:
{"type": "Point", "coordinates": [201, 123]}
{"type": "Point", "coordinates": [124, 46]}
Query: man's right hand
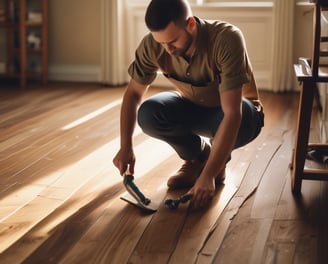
{"type": "Point", "coordinates": [125, 159]}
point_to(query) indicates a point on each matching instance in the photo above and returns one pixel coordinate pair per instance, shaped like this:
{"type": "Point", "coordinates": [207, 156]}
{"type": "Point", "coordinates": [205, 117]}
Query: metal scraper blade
{"type": "Point", "coordinates": [150, 208]}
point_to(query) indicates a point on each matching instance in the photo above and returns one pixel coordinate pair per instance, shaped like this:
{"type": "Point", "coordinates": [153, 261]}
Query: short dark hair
{"type": "Point", "coordinates": [160, 13]}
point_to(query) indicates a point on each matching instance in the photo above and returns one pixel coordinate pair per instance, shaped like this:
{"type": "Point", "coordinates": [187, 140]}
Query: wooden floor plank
{"type": "Point", "coordinates": [87, 242]}
{"type": "Point", "coordinates": [267, 196]}
{"type": "Point", "coordinates": [93, 244]}
{"type": "Point", "coordinates": [277, 170]}
{"type": "Point", "coordinates": [322, 224]}
{"type": "Point", "coordinates": [291, 241]}
{"type": "Point", "coordinates": [249, 186]}
{"type": "Point", "coordinates": [160, 236]}
{"type": "Point", "coordinates": [198, 225]}
{"type": "Point", "coordinates": [83, 209]}
{"type": "Point", "coordinates": [261, 158]}
{"type": "Point", "coordinates": [47, 199]}
{"type": "Point", "coordinates": [52, 138]}
{"type": "Point", "coordinates": [202, 224]}
{"type": "Point", "coordinates": [264, 156]}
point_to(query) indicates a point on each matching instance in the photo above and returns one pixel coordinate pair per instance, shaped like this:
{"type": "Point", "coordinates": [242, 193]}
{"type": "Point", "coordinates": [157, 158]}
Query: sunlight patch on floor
{"type": "Point", "coordinates": [68, 180]}
{"type": "Point", "coordinates": [92, 115]}
{"type": "Point", "coordinates": [150, 154]}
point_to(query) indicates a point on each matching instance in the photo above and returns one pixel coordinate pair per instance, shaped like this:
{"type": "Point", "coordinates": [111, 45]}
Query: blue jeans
{"type": "Point", "coordinates": [181, 123]}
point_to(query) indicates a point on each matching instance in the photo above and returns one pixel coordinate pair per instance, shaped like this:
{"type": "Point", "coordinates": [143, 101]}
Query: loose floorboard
{"type": "Point", "coordinates": [59, 191]}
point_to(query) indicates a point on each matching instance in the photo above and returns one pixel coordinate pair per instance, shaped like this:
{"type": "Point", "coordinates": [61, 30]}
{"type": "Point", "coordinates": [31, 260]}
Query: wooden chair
{"type": "Point", "coordinates": [309, 72]}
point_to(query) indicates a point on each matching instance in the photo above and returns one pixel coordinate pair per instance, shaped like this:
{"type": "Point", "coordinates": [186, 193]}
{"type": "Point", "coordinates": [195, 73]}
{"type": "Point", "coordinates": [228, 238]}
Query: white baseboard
{"type": "Point", "coordinates": [324, 131]}
{"type": "Point", "coordinates": [263, 80]}
{"type": "Point", "coordinates": [92, 73]}
{"type": "Point", "coordinates": [74, 73]}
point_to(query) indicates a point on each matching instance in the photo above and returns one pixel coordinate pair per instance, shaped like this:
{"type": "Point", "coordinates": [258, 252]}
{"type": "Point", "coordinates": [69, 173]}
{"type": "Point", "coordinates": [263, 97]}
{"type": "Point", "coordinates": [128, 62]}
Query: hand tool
{"type": "Point", "coordinates": [174, 203]}
{"type": "Point", "coordinates": [135, 197]}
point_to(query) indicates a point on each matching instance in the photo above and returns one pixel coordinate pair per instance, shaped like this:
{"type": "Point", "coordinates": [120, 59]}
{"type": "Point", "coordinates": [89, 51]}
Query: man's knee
{"type": "Point", "coordinates": [147, 115]}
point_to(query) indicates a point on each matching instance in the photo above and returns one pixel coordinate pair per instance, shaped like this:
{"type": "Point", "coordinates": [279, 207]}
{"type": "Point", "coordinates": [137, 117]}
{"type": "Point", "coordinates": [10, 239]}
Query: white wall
{"type": "Point", "coordinates": [254, 20]}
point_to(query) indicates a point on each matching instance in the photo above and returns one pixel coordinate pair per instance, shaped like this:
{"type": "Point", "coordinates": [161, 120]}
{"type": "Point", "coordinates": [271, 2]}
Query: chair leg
{"type": "Point", "coordinates": [296, 181]}
{"type": "Point", "coordinates": [317, 98]}
{"type": "Point", "coordinates": [302, 134]}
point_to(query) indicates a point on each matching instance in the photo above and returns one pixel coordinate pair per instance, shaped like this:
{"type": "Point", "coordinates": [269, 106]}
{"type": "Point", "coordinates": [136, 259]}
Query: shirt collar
{"type": "Point", "coordinates": [202, 36]}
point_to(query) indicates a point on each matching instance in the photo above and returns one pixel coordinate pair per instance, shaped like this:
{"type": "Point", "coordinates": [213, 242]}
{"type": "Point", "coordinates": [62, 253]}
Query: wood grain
{"type": "Point", "coordinates": [59, 191]}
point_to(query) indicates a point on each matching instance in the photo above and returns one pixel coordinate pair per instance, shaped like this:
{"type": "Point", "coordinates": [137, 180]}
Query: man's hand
{"type": "Point", "coordinates": [202, 192]}
{"type": "Point", "coordinates": [123, 159]}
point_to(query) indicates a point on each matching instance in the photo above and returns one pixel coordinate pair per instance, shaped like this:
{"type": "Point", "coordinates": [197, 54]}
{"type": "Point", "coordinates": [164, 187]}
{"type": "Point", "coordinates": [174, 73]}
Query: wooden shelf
{"type": "Point", "coordinates": [29, 50]}
{"type": "Point", "coordinates": [33, 24]}
{"type": "Point", "coordinates": [5, 24]}
{"type": "Point", "coordinates": [17, 30]}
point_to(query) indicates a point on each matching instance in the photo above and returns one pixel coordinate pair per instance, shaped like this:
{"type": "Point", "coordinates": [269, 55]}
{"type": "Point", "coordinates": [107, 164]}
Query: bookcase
{"type": "Point", "coordinates": [24, 27]}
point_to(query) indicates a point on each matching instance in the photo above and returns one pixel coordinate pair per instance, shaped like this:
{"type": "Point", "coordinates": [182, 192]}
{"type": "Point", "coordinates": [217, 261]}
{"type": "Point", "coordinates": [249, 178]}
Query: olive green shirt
{"type": "Point", "coordinates": [220, 62]}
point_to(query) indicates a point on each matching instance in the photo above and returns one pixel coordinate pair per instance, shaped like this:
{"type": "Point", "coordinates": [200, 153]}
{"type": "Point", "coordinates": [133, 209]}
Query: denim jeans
{"type": "Point", "coordinates": [179, 122]}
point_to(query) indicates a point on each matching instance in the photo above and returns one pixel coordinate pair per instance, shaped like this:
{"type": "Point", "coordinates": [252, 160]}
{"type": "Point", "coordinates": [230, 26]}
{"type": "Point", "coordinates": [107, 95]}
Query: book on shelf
{"type": "Point", "coordinates": [34, 17]}
{"type": "Point", "coordinates": [2, 15]}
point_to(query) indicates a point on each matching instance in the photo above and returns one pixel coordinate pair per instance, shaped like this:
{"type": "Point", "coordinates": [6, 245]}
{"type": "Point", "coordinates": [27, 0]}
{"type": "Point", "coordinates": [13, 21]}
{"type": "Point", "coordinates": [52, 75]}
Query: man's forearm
{"type": "Point", "coordinates": [131, 99]}
{"type": "Point", "coordinates": [222, 146]}
{"type": "Point", "coordinates": [128, 120]}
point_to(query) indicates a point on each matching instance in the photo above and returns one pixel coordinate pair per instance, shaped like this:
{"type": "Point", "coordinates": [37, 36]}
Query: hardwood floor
{"type": "Point", "coordinates": [59, 191]}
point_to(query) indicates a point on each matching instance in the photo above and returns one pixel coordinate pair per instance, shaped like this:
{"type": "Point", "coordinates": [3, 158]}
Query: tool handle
{"type": "Point", "coordinates": [134, 190]}
{"type": "Point", "coordinates": [185, 198]}
{"type": "Point", "coordinates": [174, 203]}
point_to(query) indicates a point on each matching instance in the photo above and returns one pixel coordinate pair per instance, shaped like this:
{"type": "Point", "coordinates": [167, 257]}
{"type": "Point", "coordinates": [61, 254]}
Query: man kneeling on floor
{"type": "Point", "coordinates": [215, 97]}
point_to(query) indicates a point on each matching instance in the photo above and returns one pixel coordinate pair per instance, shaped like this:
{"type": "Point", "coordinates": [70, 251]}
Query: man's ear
{"type": "Point", "coordinates": [191, 22]}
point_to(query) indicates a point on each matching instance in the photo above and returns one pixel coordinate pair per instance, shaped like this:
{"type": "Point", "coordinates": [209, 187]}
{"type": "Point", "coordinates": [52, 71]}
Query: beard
{"type": "Point", "coordinates": [181, 51]}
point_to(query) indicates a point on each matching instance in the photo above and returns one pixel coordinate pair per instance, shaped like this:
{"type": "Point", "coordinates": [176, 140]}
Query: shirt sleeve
{"type": "Point", "coordinates": [144, 67]}
{"type": "Point", "coordinates": [231, 59]}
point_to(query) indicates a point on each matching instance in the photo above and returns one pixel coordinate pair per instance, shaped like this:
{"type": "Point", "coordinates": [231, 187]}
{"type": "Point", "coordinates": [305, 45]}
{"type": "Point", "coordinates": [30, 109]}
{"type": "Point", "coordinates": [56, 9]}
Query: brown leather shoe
{"type": "Point", "coordinates": [187, 175]}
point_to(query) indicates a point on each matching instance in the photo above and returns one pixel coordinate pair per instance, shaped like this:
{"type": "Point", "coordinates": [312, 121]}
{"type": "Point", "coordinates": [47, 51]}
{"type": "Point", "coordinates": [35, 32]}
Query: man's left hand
{"type": "Point", "coordinates": [202, 192]}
